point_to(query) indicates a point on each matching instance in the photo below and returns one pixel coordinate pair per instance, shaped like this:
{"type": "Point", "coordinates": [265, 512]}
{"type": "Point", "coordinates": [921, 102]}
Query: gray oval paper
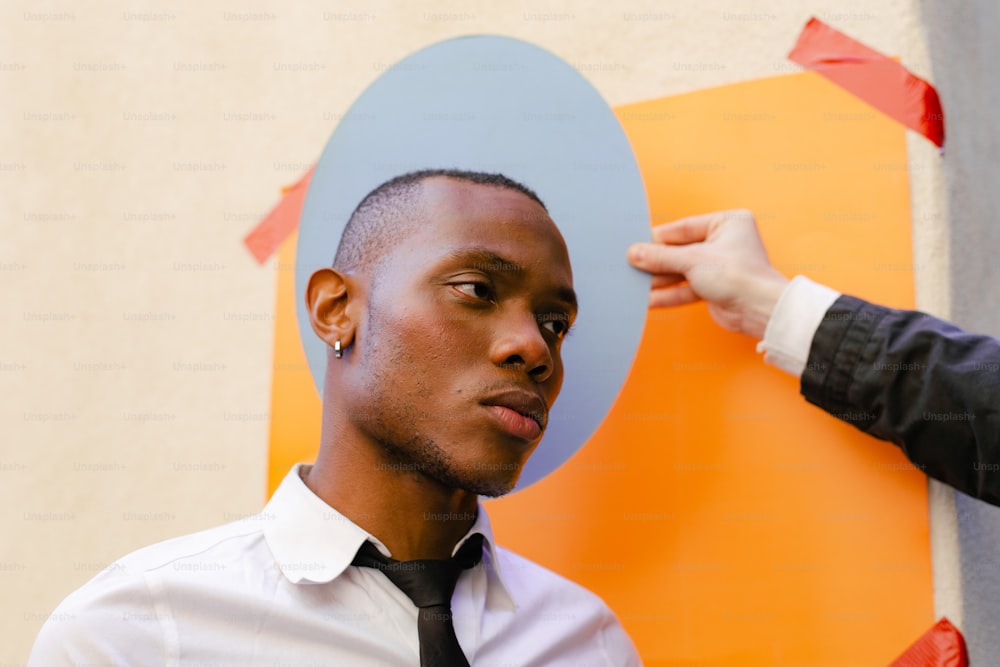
{"type": "Point", "coordinates": [496, 104]}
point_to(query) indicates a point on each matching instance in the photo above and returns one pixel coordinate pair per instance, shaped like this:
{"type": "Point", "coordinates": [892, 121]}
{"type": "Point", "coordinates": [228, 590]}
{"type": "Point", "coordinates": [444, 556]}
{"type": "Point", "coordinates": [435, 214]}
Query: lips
{"type": "Point", "coordinates": [520, 412]}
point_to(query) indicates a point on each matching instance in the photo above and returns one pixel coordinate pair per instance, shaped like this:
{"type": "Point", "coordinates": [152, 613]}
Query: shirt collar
{"type": "Point", "coordinates": [314, 543]}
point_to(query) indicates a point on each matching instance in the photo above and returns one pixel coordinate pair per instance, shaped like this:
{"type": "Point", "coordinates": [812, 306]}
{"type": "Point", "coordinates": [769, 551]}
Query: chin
{"type": "Point", "coordinates": [486, 470]}
{"type": "Point", "coordinates": [494, 490]}
{"type": "Point", "coordinates": [499, 480]}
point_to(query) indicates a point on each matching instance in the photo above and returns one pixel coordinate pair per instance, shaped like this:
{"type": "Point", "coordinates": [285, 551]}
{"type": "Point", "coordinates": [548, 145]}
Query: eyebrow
{"type": "Point", "coordinates": [487, 260]}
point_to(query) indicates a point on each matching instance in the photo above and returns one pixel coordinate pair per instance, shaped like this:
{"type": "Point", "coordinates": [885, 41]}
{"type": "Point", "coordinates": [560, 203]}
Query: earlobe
{"type": "Point", "coordinates": [331, 299]}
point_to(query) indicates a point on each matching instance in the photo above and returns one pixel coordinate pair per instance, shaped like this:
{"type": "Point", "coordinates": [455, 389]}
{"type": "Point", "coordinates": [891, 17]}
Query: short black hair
{"type": "Point", "coordinates": [385, 214]}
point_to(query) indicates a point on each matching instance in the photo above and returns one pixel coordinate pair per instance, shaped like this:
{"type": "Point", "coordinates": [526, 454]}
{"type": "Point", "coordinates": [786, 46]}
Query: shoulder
{"type": "Point", "coordinates": [124, 609]}
{"type": "Point", "coordinates": [213, 554]}
{"type": "Point", "coordinates": [571, 614]}
{"type": "Point", "coordinates": [219, 545]}
{"type": "Point", "coordinates": [532, 583]}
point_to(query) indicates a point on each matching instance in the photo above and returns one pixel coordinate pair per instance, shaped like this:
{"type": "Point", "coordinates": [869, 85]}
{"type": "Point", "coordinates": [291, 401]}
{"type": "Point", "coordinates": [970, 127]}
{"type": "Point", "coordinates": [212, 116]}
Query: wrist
{"type": "Point", "coordinates": [762, 294]}
{"type": "Point", "coordinates": [797, 315]}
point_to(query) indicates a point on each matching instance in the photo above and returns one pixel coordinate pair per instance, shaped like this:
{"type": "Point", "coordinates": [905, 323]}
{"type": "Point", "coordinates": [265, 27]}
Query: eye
{"type": "Point", "coordinates": [557, 323]}
{"type": "Point", "coordinates": [477, 290]}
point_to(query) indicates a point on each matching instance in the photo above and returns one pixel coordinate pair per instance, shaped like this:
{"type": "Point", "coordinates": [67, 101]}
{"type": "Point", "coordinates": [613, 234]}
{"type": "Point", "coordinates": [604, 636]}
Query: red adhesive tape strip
{"type": "Point", "coordinates": [941, 646]}
{"type": "Point", "coordinates": [282, 220]}
{"type": "Point", "coordinates": [871, 76]}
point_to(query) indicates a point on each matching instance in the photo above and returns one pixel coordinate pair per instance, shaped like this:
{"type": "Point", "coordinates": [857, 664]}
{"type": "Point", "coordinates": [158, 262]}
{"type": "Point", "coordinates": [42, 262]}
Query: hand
{"type": "Point", "coordinates": [717, 257]}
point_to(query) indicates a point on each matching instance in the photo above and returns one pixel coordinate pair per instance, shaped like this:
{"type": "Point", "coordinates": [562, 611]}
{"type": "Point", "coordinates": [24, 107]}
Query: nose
{"type": "Point", "coordinates": [520, 345]}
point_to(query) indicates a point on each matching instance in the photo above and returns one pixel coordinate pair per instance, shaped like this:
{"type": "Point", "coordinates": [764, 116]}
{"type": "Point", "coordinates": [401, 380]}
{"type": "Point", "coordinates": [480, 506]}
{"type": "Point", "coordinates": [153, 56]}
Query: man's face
{"type": "Point", "coordinates": [458, 357]}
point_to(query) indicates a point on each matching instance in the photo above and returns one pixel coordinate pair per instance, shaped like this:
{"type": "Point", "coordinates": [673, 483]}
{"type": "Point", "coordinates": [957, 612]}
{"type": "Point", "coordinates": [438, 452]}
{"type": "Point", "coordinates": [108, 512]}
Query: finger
{"type": "Point", "coordinates": [696, 228]}
{"type": "Point", "coordinates": [672, 296]}
{"type": "Point", "coordinates": [686, 230]}
{"type": "Point", "coordinates": [666, 280]}
{"type": "Point", "coordinates": [659, 259]}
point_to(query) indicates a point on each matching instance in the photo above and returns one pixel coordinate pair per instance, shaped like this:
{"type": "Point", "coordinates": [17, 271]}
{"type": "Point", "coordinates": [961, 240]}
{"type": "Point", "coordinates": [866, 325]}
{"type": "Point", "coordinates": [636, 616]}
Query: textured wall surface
{"type": "Point", "coordinates": [964, 51]}
{"type": "Point", "coordinates": [139, 143]}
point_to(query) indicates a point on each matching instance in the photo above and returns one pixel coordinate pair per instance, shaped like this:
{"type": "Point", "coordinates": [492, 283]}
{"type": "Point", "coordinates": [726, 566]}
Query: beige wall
{"type": "Point", "coordinates": [139, 143]}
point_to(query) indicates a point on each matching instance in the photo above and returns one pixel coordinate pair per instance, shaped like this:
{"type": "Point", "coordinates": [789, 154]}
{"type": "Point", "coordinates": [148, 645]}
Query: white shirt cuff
{"type": "Point", "coordinates": [794, 322]}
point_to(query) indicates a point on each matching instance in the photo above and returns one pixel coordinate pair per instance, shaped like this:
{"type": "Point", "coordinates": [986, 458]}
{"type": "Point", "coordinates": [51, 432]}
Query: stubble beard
{"type": "Point", "coordinates": [413, 451]}
{"type": "Point", "coordinates": [422, 455]}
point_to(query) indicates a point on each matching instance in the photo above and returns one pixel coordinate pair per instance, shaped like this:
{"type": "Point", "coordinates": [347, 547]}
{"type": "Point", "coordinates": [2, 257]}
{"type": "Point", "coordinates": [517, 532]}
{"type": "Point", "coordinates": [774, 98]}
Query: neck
{"type": "Point", "coordinates": [415, 516]}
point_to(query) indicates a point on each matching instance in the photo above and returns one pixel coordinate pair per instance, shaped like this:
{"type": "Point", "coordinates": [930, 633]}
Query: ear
{"type": "Point", "coordinates": [333, 301]}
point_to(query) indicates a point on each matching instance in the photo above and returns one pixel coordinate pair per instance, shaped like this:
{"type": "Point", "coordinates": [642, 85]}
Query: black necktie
{"type": "Point", "coordinates": [429, 584]}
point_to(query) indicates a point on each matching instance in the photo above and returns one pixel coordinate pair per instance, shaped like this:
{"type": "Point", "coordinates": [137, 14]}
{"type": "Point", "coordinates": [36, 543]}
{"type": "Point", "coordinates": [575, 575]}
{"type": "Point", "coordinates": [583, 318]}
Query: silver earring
{"type": "Point", "coordinates": [337, 351]}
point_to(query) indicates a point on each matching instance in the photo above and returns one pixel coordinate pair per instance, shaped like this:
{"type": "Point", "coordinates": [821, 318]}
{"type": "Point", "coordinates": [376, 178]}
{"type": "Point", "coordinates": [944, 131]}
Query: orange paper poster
{"type": "Point", "coordinates": [724, 519]}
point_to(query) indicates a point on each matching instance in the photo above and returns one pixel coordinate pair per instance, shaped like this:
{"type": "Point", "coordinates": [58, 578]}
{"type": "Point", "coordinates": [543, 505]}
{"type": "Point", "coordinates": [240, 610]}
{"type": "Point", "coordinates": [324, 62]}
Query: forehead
{"type": "Point", "coordinates": [454, 194]}
{"type": "Point", "coordinates": [456, 211]}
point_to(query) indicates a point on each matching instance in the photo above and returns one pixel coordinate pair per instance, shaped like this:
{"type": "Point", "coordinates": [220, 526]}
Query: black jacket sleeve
{"type": "Point", "coordinates": [917, 381]}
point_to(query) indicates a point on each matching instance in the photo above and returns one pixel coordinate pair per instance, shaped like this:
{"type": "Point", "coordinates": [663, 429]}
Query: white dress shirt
{"type": "Point", "coordinates": [278, 589]}
{"type": "Point", "coordinates": [793, 324]}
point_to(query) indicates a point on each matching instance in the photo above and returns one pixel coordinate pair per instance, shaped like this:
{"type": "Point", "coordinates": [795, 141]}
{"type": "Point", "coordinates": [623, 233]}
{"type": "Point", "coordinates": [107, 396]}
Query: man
{"type": "Point", "coordinates": [444, 314]}
{"type": "Point", "coordinates": [898, 375]}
